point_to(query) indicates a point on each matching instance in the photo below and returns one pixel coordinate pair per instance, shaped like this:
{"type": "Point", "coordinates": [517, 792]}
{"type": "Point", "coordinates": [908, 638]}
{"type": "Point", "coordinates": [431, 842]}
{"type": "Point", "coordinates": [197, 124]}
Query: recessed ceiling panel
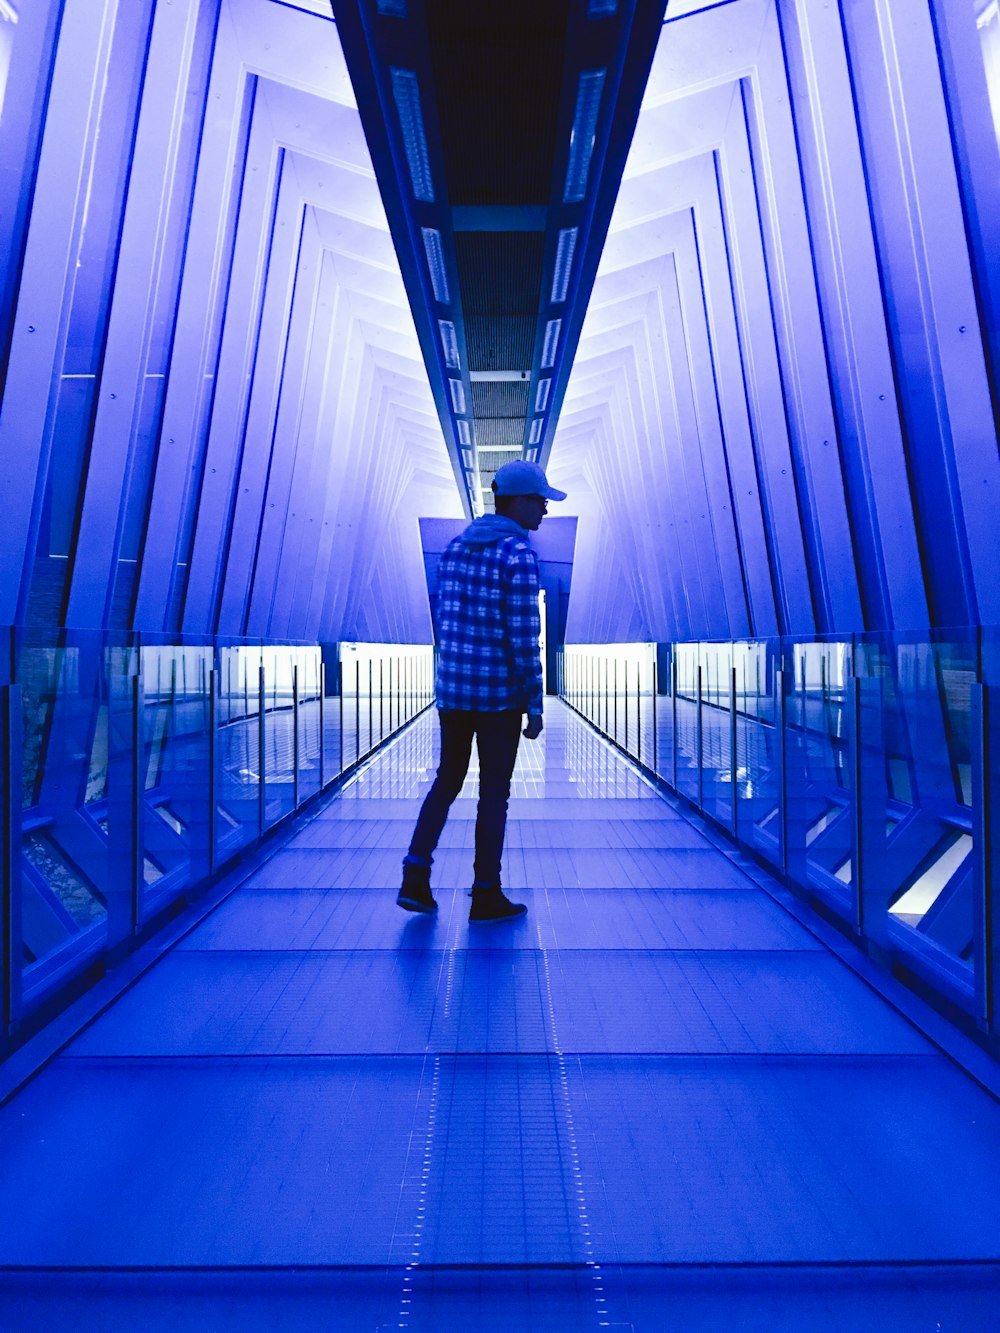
{"type": "Point", "coordinates": [504, 398]}
{"type": "Point", "coordinates": [494, 432]}
{"type": "Point", "coordinates": [497, 102]}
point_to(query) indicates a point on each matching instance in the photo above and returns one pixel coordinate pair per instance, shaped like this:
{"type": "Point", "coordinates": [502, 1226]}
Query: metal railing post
{"type": "Point", "coordinates": [733, 767]}
{"type": "Point", "coordinates": [358, 709]}
{"type": "Point", "coordinates": [673, 719]}
{"type": "Point", "coordinates": [638, 711]}
{"type": "Point", "coordinates": [656, 690]}
{"type": "Point", "coordinates": [10, 851]}
{"type": "Point", "coordinates": [295, 736]}
{"type": "Point", "coordinates": [854, 742]}
{"type": "Point", "coordinates": [616, 700]}
{"type": "Point", "coordinates": [625, 674]}
{"type": "Point", "coordinates": [700, 745]}
{"type": "Point", "coordinates": [262, 754]}
{"type": "Point", "coordinates": [213, 763]}
{"type": "Point", "coordinates": [322, 725]}
{"type": "Point", "coordinates": [985, 829]}
{"type": "Point", "coordinates": [781, 757]}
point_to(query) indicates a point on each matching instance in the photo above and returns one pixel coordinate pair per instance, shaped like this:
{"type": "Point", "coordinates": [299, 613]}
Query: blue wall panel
{"type": "Point", "coordinates": [214, 390]}
{"type": "Point", "coordinates": [834, 182]}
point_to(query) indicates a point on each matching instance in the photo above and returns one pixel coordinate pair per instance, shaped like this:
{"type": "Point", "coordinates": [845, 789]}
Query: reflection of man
{"type": "Point", "coordinates": [489, 674]}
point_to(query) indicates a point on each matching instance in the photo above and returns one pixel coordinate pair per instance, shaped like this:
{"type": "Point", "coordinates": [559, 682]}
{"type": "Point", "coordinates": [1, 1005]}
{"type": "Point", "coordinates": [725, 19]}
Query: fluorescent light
{"type": "Point", "coordinates": [535, 434]}
{"type": "Point", "coordinates": [465, 435]}
{"type": "Point", "coordinates": [406, 91]}
{"type": "Point", "coordinates": [597, 9]}
{"type": "Point", "coordinates": [565, 250]}
{"type": "Point", "coordinates": [450, 344]}
{"type": "Point", "coordinates": [542, 395]}
{"type": "Point", "coordinates": [457, 395]}
{"type": "Point", "coordinates": [435, 263]}
{"type": "Point", "coordinates": [552, 330]}
{"type": "Point", "coordinates": [581, 139]}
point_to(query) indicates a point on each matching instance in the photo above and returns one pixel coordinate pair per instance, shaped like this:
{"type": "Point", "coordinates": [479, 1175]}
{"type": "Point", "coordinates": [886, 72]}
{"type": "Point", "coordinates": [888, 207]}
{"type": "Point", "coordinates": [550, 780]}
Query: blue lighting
{"type": "Point", "coordinates": [435, 263]}
{"type": "Point", "coordinates": [542, 395]}
{"type": "Point", "coordinates": [464, 432]}
{"type": "Point", "coordinates": [535, 434]}
{"type": "Point", "coordinates": [450, 344]}
{"type": "Point", "coordinates": [406, 91]}
{"type": "Point", "coordinates": [581, 139]}
{"type": "Point", "coordinates": [600, 9]}
{"type": "Point", "coordinates": [552, 331]}
{"type": "Point", "coordinates": [397, 8]}
{"type": "Point", "coordinates": [457, 395]}
{"type": "Point", "coordinates": [565, 250]}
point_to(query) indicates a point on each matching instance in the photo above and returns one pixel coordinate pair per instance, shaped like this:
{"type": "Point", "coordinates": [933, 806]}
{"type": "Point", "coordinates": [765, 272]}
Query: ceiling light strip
{"type": "Point", "coordinates": [435, 264]}
{"type": "Point", "coordinates": [450, 344]}
{"type": "Point", "coordinates": [552, 331]}
{"type": "Point", "coordinates": [406, 91]}
{"type": "Point", "coordinates": [565, 250]}
{"type": "Point", "coordinates": [457, 395]}
{"type": "Point", "coordinates": [465, 433]}
{"type": "Point", "coordinates": [581, 139]}
{"type": "Point", "coordinates": [542, 395]}
{"type": "Point", "coordinates": [535, 434]}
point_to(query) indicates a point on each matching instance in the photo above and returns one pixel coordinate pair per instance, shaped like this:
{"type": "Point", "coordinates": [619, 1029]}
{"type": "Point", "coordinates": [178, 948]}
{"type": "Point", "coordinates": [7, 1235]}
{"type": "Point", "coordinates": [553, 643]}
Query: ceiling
{"type": "Point", "coordinates": [498, 134]}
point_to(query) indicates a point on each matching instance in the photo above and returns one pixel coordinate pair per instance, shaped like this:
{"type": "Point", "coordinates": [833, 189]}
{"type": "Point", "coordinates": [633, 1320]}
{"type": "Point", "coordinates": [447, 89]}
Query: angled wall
{"type": "Point", "coordinates": [215, 416]}
{"type": "Point", "coordinates": [782, 417]}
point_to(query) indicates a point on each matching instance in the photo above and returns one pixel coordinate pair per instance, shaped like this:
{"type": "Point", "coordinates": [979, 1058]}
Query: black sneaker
{"type": "Point", "coordinates": [494, 905]}
{"type": "Point", "coordinates": [415, 895]}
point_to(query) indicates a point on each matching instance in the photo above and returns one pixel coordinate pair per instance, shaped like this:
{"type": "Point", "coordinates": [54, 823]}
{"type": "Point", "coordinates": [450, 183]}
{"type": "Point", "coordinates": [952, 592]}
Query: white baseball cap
{"type": "Point", "coordinates": [523, 478]}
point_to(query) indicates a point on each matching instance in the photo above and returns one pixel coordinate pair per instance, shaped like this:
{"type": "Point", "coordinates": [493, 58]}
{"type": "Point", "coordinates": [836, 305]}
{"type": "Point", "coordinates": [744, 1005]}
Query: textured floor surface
{"type": "Point", "coordinates": [656, 1102]}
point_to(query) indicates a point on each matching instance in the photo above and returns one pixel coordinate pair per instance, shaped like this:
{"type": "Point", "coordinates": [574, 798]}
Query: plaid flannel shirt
{"type": "Point", "coordinates": [488, 625]}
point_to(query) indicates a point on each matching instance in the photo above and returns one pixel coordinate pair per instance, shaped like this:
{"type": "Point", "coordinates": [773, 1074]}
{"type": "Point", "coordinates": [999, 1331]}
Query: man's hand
{"type": "Point", "coordinates": [534, 728]}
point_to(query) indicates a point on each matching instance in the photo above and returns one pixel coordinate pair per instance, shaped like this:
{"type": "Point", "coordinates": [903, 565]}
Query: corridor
{"type": "Point", "coordinates": [659, 1101]}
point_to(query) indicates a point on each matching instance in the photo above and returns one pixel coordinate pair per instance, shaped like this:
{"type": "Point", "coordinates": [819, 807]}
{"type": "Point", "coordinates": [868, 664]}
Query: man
{"type": "Point", "coordinates": [489, 675]}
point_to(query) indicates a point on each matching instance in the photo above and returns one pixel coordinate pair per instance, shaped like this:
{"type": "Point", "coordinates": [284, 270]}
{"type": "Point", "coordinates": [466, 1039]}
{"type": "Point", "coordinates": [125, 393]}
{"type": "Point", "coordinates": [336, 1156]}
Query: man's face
{"type": "Point", "coordinates": [528, 510]}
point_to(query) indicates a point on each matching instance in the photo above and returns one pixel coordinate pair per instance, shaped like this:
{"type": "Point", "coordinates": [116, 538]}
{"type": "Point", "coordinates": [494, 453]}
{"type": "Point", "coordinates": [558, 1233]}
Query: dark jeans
{"type": "Point", "coordinates": [497, 736]}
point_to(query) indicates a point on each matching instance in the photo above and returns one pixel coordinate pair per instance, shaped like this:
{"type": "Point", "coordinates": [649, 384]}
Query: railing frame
{"type": "Point", "coordinates": [133, 912]}
{"type": "Point", "coordinates": [867, 917]}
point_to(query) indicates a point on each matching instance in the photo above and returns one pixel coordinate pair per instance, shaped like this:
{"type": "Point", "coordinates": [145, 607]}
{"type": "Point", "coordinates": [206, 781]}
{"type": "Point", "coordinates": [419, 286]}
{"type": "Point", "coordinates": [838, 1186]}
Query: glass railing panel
{"type": "Point", "coordinates": [758, 747]}
{"type": "Point", "coordinates": [687, 718]}
{"type": "Point", "coordinates": [921, 724]}
{"type": "Point", "coordinates": [986, 805]}
{"type": "Point", "coordinates": [237, 798]}
{"type": "Point", "coordinates": [661, 710]}
{"type": "Point", "coordinates": [76, 803]}
{"type": "Point", "coordinates": [309, 721]}
{"type": "Point", "coordinates": [279, 733]}
{"type": "Point", "coordinates": [176, 760]}
{"type": "Point", "coordinates": [354, 674]}
{"type": "Point", "coordinates": [140, 769]}
{"type": "Point", "coordinates": [716, 660]}
{"type": "Point", "coordinates": [333, 701]}
{"type": "Point", "coordinates": [818, 785]}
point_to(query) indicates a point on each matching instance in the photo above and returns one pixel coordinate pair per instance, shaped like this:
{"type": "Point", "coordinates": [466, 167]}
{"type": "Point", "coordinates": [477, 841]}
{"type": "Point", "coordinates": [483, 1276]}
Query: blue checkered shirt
{"type": "Point", "coordinates": [487, 621]}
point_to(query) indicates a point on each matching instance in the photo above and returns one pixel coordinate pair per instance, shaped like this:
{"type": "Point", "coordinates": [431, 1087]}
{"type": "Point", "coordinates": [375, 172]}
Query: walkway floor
{"type": "Point", "coordinates": [656, 1102]}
